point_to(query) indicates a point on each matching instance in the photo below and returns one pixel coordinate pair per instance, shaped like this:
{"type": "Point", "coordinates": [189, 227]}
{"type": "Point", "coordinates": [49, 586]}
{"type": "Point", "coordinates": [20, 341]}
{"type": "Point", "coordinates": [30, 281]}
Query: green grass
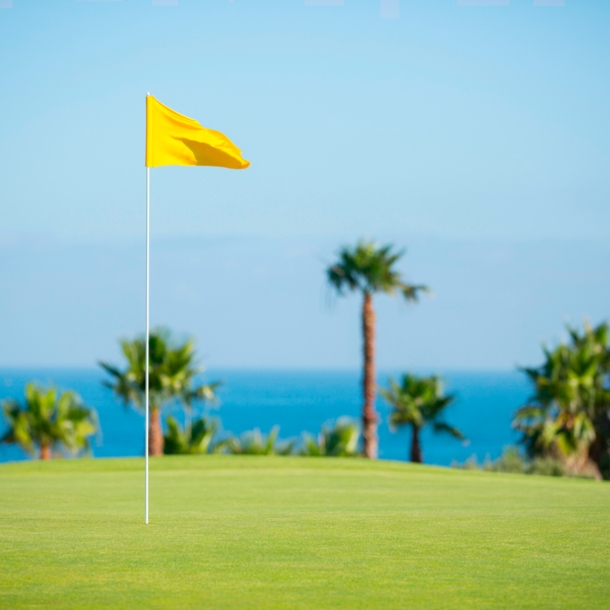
{"type": "Point", "coordinates": [260, 532]}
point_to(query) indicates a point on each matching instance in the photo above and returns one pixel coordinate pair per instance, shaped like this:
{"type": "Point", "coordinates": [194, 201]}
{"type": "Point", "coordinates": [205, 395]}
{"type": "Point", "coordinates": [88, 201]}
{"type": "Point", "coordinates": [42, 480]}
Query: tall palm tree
{"type": "Point", "coordinates": [172, 379]}
{"type": "Point", "coordinates": [368, 269]}
{"type": "Point", "coordinates": [46, 422]}
{"type": "Point", "coordinates": [417, 402]}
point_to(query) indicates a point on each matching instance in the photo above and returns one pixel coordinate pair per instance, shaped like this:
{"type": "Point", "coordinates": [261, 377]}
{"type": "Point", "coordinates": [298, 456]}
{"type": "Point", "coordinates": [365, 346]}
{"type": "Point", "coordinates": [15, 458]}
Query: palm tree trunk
{"type": "Point", "coordinates": [45, 451]}
{"type": "Point", "coordinates": [416, 455]}
{"type": "Point", "coordinates": [155, 433]}
{"type": "Point", "coordinates": [369, 416]}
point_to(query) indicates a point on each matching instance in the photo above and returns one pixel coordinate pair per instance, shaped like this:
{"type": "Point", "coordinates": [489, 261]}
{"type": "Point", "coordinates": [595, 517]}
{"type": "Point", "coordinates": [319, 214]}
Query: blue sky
{"type": "Point", "coordinates": [451, 120]}
{"type": "Point", "coordinates": [467, 125]}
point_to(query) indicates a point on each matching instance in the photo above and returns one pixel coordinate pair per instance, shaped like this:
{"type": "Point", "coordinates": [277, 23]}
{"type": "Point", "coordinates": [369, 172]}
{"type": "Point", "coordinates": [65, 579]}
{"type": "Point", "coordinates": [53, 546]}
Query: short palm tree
{"type": "Point", "coordinates": [418, 402]}
{"type": "Point", "coordinates": [368, 269]}
{"type": "Point", "coordinates": [47, 422]}
{"type": "Point", "coordinates": [565, 416]}
{"type": "Point", "coordinates": [172, 379]}
{"type": "Point", "coordinates": [340, 440]}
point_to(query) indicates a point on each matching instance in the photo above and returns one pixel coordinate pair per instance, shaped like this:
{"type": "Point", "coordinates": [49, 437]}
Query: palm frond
{"type": "Point", "coordinates": [369, 268]}
{"type": "Point", "coordinates": [173, 372]}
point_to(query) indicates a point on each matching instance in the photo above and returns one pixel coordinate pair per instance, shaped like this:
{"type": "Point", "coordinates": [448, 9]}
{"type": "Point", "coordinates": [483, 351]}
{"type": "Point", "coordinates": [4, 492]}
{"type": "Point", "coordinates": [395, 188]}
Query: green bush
{"type": "Point", "coordinates": [255, 443]}
{"type": "Point", "coordinates": [199, 437]}
{"type": "Point", "coordinates": [512, 460]}
{"type": "Point", "coordinates": [339, 440]}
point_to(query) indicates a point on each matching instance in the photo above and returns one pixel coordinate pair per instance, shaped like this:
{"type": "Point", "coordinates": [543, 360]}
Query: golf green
{"type": "Point", "coordinates": [274, 532]}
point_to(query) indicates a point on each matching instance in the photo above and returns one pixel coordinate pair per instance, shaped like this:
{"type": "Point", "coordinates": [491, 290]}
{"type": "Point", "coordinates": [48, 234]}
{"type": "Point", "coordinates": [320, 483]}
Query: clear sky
{"type": "Point", "coordinates": [451, 120]}
{"type": "Point", "coordinates": [482, 125]}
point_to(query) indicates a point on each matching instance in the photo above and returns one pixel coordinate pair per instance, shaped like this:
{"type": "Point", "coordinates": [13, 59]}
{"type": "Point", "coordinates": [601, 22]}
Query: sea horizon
{"type": "Point", "coordinates": [297, 400]}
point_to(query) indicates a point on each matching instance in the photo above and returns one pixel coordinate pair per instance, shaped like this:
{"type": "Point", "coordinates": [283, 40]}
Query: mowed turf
{"type": "Point", "coordinates": [264, 532]}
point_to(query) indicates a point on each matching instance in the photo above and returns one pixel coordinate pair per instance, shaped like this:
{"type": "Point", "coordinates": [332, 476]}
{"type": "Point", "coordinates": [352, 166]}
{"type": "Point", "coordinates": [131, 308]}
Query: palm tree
{"type": "Point", "coordinates": [46, 422]}
{"type": "Point", "coordinates": [340, 440]}
{"type": "Point", "coordinates": [368, 269]}
{"type": "Point", "coordinates": [559, 419]}
{"type": "Point", "coordinates": [417, 402]}
{"type": "Point", "coordinates": [567, 415]}
{"type": "Point", "coordinates": [172, 375]}
{"type": "Point", "coordinates": [596, 340]}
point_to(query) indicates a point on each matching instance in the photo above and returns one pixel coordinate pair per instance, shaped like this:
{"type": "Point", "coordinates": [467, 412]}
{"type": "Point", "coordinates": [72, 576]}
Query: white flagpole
{"type": "Point", "coordinates": [147, 337]}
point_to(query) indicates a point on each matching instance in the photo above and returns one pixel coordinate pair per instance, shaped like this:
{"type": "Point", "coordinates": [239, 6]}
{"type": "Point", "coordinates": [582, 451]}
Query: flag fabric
{"type": "Point", "coordinates": [174, 139]}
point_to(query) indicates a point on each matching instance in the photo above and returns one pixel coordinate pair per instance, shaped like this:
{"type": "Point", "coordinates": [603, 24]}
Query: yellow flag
{"type": "Point", "coordinates": [174, 139]}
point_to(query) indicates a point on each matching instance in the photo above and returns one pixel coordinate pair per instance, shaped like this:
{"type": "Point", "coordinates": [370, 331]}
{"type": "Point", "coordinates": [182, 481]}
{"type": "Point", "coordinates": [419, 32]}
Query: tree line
{"type": "Point", "coordinates": [566, 420]}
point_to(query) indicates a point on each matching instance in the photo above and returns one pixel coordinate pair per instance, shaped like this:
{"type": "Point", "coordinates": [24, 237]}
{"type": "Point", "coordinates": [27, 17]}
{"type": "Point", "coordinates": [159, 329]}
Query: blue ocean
{"type": "Point", "coordinates": [299, 401]}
